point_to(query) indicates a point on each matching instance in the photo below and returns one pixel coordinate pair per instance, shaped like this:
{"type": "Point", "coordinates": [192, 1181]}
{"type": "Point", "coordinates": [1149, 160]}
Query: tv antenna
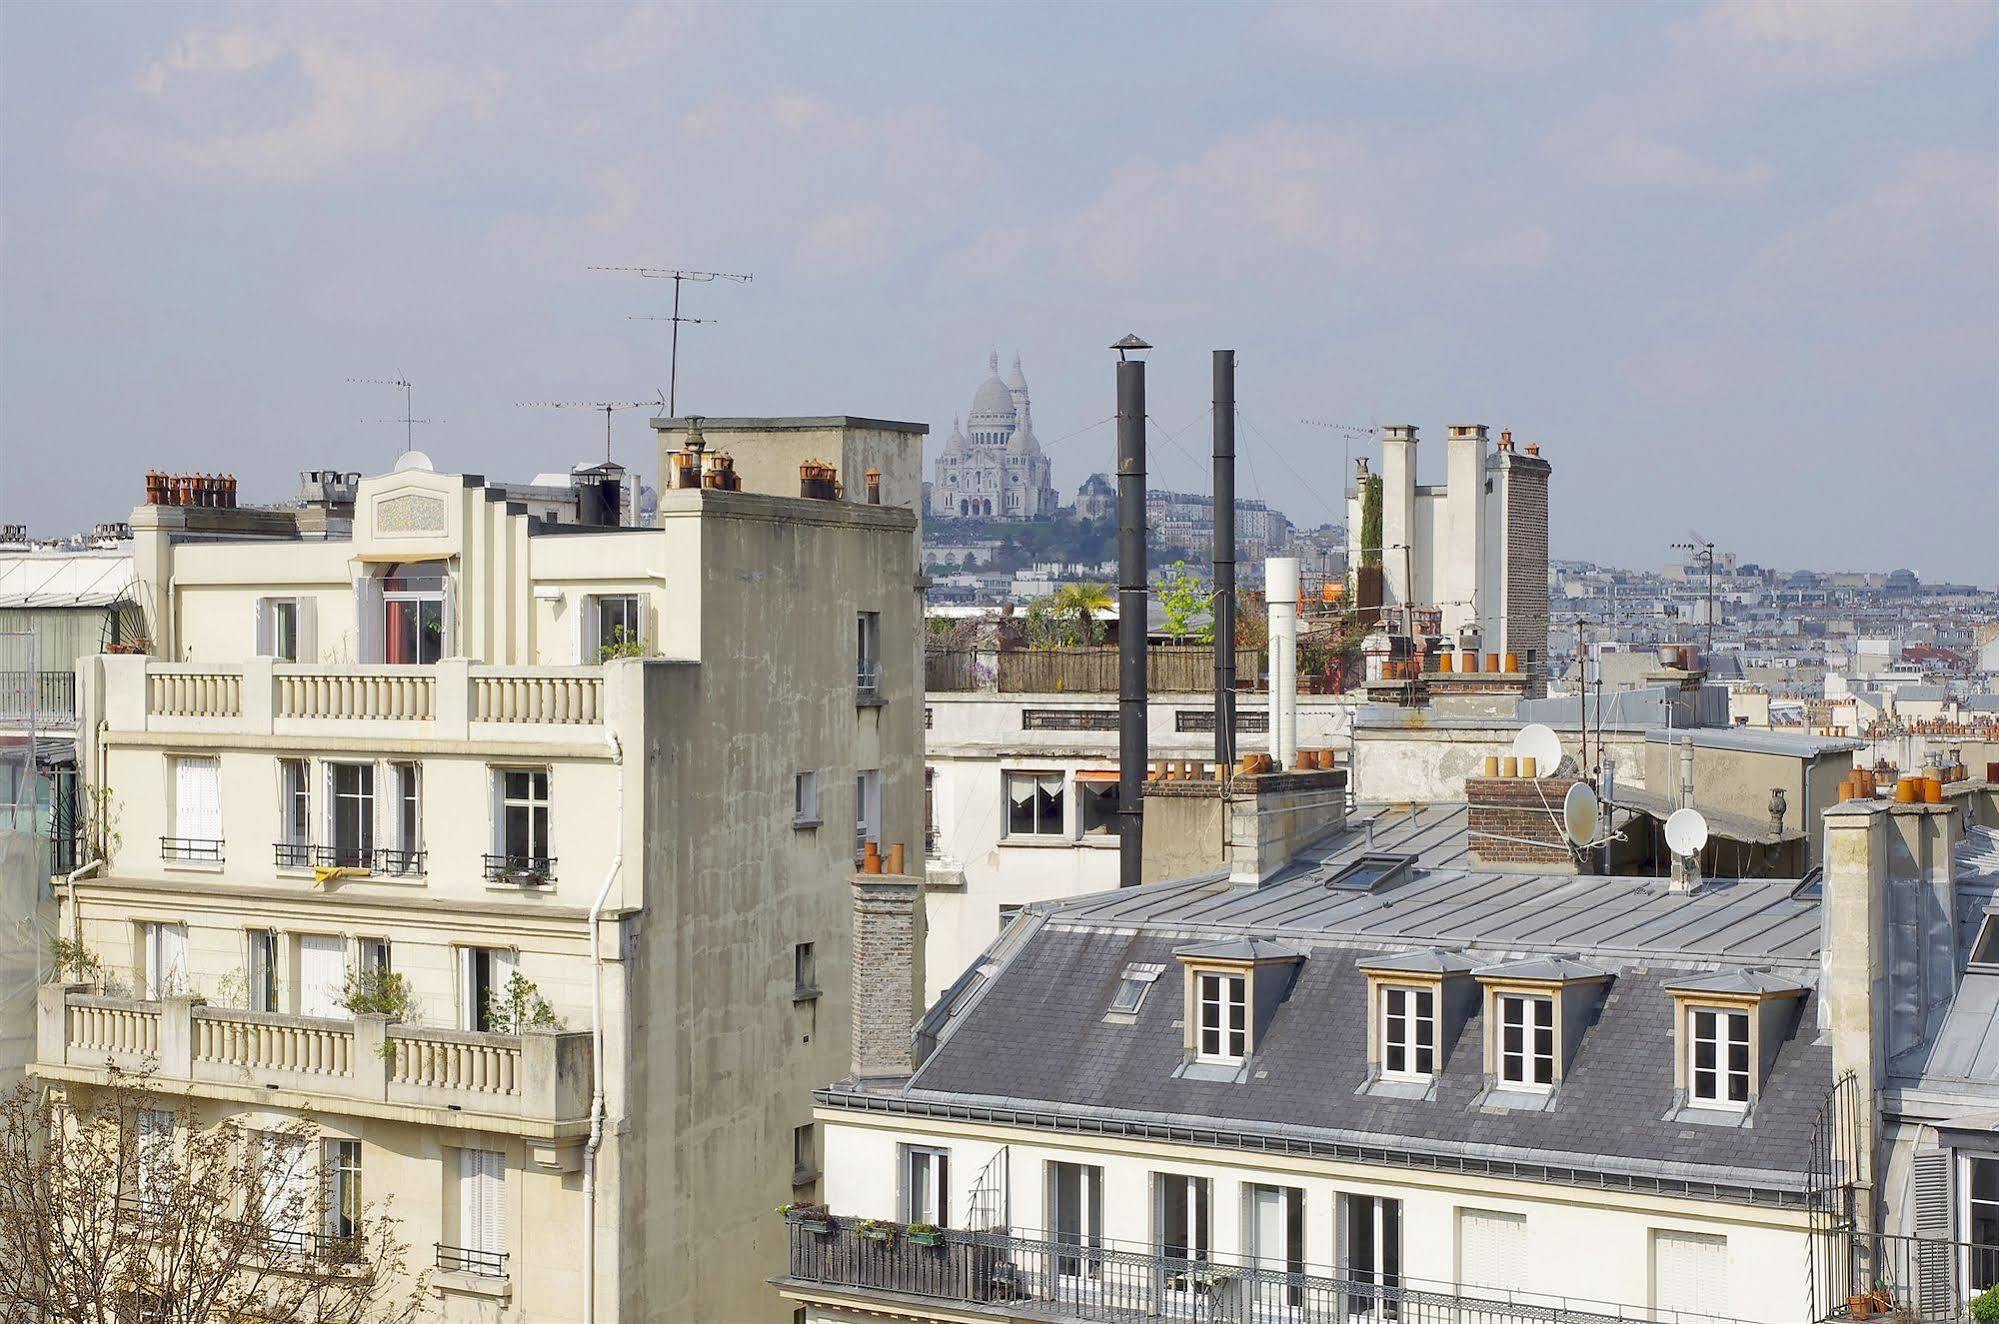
{"type": "Point", "coordinates": [609, 407]}
{"type": "Point", "coordinates": [409, 419]}
{"type": "Point", "coordinates": [1347, 431]}
{"type": "Point", "coordinates": [678, 277]}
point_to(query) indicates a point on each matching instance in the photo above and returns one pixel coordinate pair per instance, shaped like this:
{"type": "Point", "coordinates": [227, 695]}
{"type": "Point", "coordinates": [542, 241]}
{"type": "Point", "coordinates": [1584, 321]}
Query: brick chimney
{"type": "Point", "coordinates": [1516, 822]}
{"type": "Point", "coordinates": [888, 972]}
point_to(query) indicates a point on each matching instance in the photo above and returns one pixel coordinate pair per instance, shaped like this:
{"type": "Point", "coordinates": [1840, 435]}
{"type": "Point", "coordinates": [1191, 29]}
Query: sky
{"type": "Point", "coordinates": [1735, 267]}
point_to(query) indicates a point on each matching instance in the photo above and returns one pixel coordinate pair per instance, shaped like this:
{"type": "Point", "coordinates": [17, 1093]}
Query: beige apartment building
{"type": "Point", "coordinates": [465, 732]}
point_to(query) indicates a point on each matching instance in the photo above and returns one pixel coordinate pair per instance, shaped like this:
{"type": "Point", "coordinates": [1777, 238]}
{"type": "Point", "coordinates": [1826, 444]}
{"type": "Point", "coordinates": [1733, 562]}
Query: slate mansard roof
{"type": "Point", "coordinates": [1023, 1035]}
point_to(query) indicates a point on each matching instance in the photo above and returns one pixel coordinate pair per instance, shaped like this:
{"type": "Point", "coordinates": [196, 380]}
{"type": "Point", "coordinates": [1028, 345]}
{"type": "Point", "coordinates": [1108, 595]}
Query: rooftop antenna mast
{"type": "Point", "coordinates": [409, 420]}
{"type": "Point", "coordinates": [678, 277]}
{"type": "Point", "coordinates": [1347, 433]}
{"type": "Point", "coordinates": [608, 407]}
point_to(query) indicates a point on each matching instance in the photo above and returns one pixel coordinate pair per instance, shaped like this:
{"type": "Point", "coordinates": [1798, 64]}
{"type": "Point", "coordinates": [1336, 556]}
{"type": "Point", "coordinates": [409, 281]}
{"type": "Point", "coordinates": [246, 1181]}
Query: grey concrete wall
{"type": "Point", "coordinates": [723, 1058]}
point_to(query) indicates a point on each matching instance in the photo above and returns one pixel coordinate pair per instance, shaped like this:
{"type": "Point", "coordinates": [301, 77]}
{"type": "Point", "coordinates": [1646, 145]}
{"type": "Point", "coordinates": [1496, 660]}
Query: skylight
{"type": "Point", "coordinates": [1986, 950]}
{"type": "Point", "coordinates": [1130, 993]}
{"type": "Point", "coordinates": [1370, 871]}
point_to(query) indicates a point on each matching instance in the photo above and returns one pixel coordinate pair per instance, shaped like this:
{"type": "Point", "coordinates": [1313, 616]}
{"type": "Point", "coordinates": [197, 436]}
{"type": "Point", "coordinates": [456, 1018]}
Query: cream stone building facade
{"type": "Point", "coordinates": [441, 734]}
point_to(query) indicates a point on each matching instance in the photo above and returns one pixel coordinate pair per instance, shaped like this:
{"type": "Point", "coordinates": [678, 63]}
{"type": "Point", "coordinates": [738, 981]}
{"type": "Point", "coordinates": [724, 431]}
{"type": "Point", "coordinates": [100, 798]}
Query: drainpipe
{"type": "Point", "coordinates": [597, 1038]}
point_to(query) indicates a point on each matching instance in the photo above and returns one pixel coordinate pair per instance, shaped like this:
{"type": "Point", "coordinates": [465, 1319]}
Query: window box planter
{"type": "Point", "coordinates": [923, 1234]}
{"type": "Point", "coordinates": [875, 1229]}
{"type": "Point", "coordinates": [812, 1217]}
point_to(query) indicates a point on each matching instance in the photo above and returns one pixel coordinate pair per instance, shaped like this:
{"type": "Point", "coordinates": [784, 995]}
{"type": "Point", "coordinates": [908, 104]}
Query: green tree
{"type": "Point", "coordinates": [1188, 605]}
{"type": "Point", "coordinates": [1080, 603]}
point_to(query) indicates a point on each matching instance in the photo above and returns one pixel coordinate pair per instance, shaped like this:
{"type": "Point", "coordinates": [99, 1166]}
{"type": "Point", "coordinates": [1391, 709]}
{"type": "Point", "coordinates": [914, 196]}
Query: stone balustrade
{"type": "Point", "coordinates": [540, 1078]}
{"type": "Point", "coordinates": [451, 699]}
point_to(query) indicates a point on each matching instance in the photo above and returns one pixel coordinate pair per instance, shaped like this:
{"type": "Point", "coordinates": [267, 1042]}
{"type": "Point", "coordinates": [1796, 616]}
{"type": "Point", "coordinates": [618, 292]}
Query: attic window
{"type": "Point", "coordinates": [1370, 871]}
{"type": "Point", "coordinates": [1131, 989]}
{"type": "Point", "coordinates": [1986, 950]}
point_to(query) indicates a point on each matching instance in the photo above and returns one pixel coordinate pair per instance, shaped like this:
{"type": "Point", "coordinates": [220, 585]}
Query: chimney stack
{"type": "Point", "coordinates": [1398, 511]}
{"type": "Point", "coordinates": [1280, 587]}
{"type": "Point", "coordinates": [887, 971]}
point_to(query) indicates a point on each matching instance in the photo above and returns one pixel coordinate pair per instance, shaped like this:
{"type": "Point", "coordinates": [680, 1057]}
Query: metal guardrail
{"type": "Point", "coordinates": [1066, 1279]}
{"type": "Point", "coordinates": [868, 679]}
{"type": "Point", "coordinates": [378, 859]}
{"type": "Point", "coordinates": [1917, 1280]}
{"type": "Point", "coordinates": [526, 870]}
{"type": "Point", "coordinates": [191, 850]}
{"type": "Point", "coordinates": [464, 1259]}
{"type": "Point", "coordinates": [48, 696]}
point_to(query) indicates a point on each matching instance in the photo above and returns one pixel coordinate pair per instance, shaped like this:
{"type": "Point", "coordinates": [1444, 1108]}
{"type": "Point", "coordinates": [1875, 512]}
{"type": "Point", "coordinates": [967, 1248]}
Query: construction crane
{"type": "Point", "coordinates": [409, 419]}
{"type": "Point", "coordinates": [609, 407]}
{"type": "Point", "coordinates": [678, 277]}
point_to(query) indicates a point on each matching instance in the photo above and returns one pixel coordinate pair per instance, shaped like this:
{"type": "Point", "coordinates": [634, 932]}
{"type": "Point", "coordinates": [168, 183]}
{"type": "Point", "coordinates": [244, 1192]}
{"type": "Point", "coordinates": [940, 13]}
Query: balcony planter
{"type": "Point", "coordinates": [875, 1229]}
{"type": "Point", "coordinates": [812, 1217]}
{"type": "Point", "coordinates": [1860, 1306]}
{"type": "Point", "coordinates": [924, 1234]}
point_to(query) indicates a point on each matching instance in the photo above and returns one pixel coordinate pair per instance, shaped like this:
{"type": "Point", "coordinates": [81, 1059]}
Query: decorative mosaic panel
{"type": "Point", "coordinates": [409, 514]}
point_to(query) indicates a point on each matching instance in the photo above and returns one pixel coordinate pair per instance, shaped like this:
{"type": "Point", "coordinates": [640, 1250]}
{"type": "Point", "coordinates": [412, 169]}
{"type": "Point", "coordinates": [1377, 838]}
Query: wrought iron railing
{"type": "Point", "coordinates": [1070, 1279]}
{"type": "Point", "coordinates": [376, 859]}
{"type": "Point", "coordinates": [1911, 1280]}
{"type": "Point", "coordinates": [325, 1247]}
{"type": "Point", "coordinates": [868, 677]}
{"type": "Point", "coordinates": [192, 850]}
{"type": "Point", "coordinates": [465, 1259]}
{"type": "Point", "coordinates": [526, 870]}
{"type": "Point", "coordinates": [47, 696]}
{"type": "Point", "coordinates": [400, 862]}
{"type": "Point", "coordinates": [292, 854]}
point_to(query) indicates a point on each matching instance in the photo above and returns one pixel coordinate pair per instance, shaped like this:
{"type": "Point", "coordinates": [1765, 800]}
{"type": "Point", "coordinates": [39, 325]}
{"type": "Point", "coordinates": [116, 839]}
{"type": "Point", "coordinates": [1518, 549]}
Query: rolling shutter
{"type": "Point", "coordinates": [322, 970]}
{"type": "Point", "coordinates": [198, 799]}
{"type": "Point", "coordinates": [1492, 1250]}
{"type": "Point", "coordinates": [1935, 1262]}
{"type": "Point", "coordinates": [1690, 1274]}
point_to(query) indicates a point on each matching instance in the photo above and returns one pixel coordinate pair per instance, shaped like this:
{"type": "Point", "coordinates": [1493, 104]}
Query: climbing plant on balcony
{"type": "Point", "coordinates": [520, 1006]}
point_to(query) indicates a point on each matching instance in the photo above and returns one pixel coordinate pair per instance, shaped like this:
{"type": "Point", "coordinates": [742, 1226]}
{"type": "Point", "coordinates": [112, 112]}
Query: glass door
{"type": "Point", "coordinates": [1076, 1217]}
{"type": "Point", "coordinates": [1274, 1224]}
{"type": "Point", "coordinates": [1371, 1243]}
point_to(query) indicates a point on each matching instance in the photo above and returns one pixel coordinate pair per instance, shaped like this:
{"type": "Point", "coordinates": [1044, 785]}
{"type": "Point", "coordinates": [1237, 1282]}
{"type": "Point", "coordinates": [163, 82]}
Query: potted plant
{"type": "Point", "coordinates": [812, 1217]}
{"type": "Point", "coordinates": [924, 1234]}
{"type": "Point", "coordinates": [1860, 1306]}
{"type": "Point", "coordinates": [1985, 1307]}
{"type": "Point", "coordinates": [878, 1229]}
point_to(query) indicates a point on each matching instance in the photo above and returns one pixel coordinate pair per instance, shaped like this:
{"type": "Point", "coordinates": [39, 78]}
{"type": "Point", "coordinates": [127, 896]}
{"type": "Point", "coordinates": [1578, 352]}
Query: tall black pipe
{"type": "Point", "coordinates": [1131, 622]}
{"type": "Point", "coordinates": [1224, 613]}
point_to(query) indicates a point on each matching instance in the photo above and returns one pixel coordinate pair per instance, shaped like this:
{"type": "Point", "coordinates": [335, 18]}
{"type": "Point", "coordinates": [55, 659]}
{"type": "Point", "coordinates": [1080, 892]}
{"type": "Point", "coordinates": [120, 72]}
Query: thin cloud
{"type": "Point", "coordinates": [1810, 43]}
{"type": "Point", "coordinates": [1435, 34]}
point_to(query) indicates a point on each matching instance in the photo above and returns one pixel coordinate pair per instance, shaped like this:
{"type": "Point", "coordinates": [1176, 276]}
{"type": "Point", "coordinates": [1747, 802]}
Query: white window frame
{"type": "Point", "coordinates": [197, 808]}
{"type": "Point", "coordinates": [1529, 1055]}
{"type": "Point", "coordinates": [1410, 1019]}
{"type": "Point", "coordinates": [373, 956]}
{"type": "Point", "coordinates": [153, 1141]}
{"type": "Point", "coordinates": [340, 1179]}
{"type": "Point", "coordinates": [1967, 1175]}
{"type": "Point", "coordinates": [1725, 1075]}
{"type": "Point", "coordinates": [502, 802]}
{"type": "Point", "coordinates": [926, 1184]}
{"type": "Point", "coordinates": [630, 610]}
{"type": "Point", "coordinates": [271, 629]}
{"type": "Point", "coordinates": [1220, 993]}
{"type": "Point", "coordinates": [405, 816]}
{"type": "Point", "coordinates": [805, 799]}
{"type": "Point", "coordinates": [260, 969]}
{"type": "Point", "coordinates": [482, 1201]}
{"type": "Point", "coordinates": [1037, 832]}
{"type": "Point", "coordinates": [359, 854]}
{"type": "Point", "coordinates": [162, 946]}
{"type": "Point", "coordinates": [295, 809]}
{"type": "Point", "coordinates": [1081, 1253]}
{"type": "Point", "coordinates": [1196, 1237]}
{"type": "Point", "coordinates": [502, 963]}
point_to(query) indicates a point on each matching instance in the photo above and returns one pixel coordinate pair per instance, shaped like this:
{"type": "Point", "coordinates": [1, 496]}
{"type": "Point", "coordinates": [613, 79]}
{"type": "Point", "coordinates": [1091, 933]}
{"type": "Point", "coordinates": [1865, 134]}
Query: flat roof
{"type": "Point", "coordinates": [804, 423]}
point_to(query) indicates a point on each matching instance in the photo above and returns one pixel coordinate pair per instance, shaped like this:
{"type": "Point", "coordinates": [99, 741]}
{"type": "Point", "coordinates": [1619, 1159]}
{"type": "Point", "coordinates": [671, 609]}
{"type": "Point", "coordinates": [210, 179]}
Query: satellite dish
{"type": "Point", "coordinates": [1541, 744]}
{"type": "Point", "coordinates": [1686, 831]}
{"type": "Point", "coordinates": [1580, 811]}
{"type": "Point", "coordinates": [413, 460]}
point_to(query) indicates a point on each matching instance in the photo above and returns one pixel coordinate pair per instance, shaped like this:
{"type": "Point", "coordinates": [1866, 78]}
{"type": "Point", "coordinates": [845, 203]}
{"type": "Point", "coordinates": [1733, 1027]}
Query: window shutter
{"type": "Point", "coordinates": [198, 799]}
{"type": "Point", "coordinates": [468, 992]}
{"type": "Point", "coordinates": [506, 964]}
{"type": "Point", "coordinates": [1492, 1249]}
{"type": "Point", "coordinates": [1935, 1262]}
{"type": "Point", "coordinates": [582, 608]}
{"type": "Point", "coordinates": [450, 644]}
{"type": "Point", "coordinates": [322, 969]}
{"type": "Point", "coordinates": [482, 1211]}
{"type": "Point", "coordinates": [368, 616]}
{"type": "Point", "coordinates": [1690, 1273]}
{"type": "Point", "coordinates": [173, 959]}
{"type": "Point", "coordinates": [265, 644]}
{"type": "Point", "coordinates": [308, 630]}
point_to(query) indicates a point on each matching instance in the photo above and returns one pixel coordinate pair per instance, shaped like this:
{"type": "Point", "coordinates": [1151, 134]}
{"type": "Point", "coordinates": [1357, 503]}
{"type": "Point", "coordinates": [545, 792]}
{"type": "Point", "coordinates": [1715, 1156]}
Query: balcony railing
{"type": "Point", "coordinates": [191, 850]}
{"type": "Point", "coordinates": [541, 1076]}
{"type": "Point", "coordinates": [1920, 1280]}
{"type": "Point", "coordinates": [1059, 1279]}
{"type": "Point", "coordinates": [46, 697]}
{"type": "Point", "coordinates": [401, 863]}
{"type": "Point", "coordinates": [522, 870]}
{"type": "Point", "coordinates": [868, 678]}
{"type": "Point", "coordinates": [464, 1259]}
{"type": "Point", "coordinates": [324, 1247]}
{"type": "Point", "coordinates": [262, 696]}
{"type": "Point", "coordinates": [377, 859]}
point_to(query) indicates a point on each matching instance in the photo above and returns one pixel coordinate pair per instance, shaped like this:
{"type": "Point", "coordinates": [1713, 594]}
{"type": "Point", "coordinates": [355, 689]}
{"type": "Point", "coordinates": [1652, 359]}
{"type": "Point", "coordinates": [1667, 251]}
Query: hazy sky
{"type": "Point", "coordinates": [1735, 267]}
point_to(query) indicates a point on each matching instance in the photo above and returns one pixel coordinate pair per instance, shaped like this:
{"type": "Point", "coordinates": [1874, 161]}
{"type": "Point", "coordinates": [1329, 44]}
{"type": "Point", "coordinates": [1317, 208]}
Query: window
{"type": "Point", "coordinates": [351, 789]}
{"type": "Point", "coordinates": [930, 833]}
{"type": "Point", "coordinates": [1718, 1057]}
{"type": "Point", "coordinates": [284, 629]}
{"type": "Point", "coordinates": [1985, 951]}
{"type": "Point", "coordinates": [260, 969]}
{"type": "Point", "coordinates": [154, 1154]}
{"type": "Point", "coordinates": [926, 1185]}
{"type": "Point", "coordinates": [413, 612]}
{"type": "Point", "coordinates": [1982, 1221]}
{"type": "Point", "coordinates": [482, 972]}
{"type": "Point", "coordinates": [805, 800]}
{"type": "Point", "coordinates": [1371, 1253]}
{"type": "Point", "coordinates": [1097, 798]}
{"type": "Point", "coordinates": [1221, 1012]}
{"type": "Point", "coordinates": [1689, 1274]}
{"type": "Point", "coordinates": [868, 664]}
{"type": "Point", "coordinates": [1033, 804]}
{"type": "Point", "coordinates": [162, 960]}
{"type": "Point", "coordinates": [1274, 1233]}
{"type": "Point", "coordinates": [1369, 872]}
{"type": "Point", "coordinates": [804, 1155]}
{"type": "Point", "coordinates": [1180, 1227]}
{"type": "Point", "coordinates": [1526, 1040]}
{"type": "Point", "coordinates": [1408, 1032]}
{"type": "Point", "coordinates": [340, 1170]}
{"type": "Point", "coordinates": [867, 812]}
{"type": "Point", "coordinates": [1133, 982]}
{"type": "Point", "coordinates": [322, 974]}
{"type": "Point", "coordinates": [405, 852]}
{"type": "Point", "coordinates": [294, 813]}
{"type": "Point", "coordinates": [1007, 911]}
{"type": "Point", "coordinates": [284, 1186]}
{"type": "Point", "coordinates": [371, 957]}
{"type": "Point", "coordinates": [522, 827]}
{"type": "Point", "coordinates": [804, 971]}
{"type": "Point", "coordinates": [482, 1210]}
{"type": "Point", "coordinates": [620, 626]}
{"type": "Point", "coordinates": [197, 811]}
{"type": "Point", "coordinates": [1492, 1249]}
{"type": "Point", "coordinates": [1076, 1214]}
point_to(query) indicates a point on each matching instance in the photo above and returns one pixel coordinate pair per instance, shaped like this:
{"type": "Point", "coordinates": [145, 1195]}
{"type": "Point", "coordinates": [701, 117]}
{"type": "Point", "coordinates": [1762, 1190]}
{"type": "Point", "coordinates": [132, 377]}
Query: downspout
{"type": "Point", "coordinates": [597, 1039]}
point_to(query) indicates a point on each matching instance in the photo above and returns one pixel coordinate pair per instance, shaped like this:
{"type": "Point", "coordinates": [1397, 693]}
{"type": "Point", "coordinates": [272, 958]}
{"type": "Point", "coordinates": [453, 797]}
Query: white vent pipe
{"type": "Point", "coordinates": [1280, 590]}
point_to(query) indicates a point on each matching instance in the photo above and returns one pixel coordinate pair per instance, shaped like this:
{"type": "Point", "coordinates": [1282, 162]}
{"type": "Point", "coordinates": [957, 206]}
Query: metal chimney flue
{"type": "Point", "coordinates": [1131, 596]}
{"type": "Point", "coordinates": [1224, 560]}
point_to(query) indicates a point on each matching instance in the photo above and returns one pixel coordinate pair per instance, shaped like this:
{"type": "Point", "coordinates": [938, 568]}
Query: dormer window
{"type": "Point", "coordinates": [1419, 1001]}
{"type": "Point", "coordinates": [1221, 1003]}
{"type": "Point", "coordinates": [1527, 1041]}
{"type": "Point", "coordinates": [1718, 1067]}
{"type": "Point", "coordinates": [1408, 1032]}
